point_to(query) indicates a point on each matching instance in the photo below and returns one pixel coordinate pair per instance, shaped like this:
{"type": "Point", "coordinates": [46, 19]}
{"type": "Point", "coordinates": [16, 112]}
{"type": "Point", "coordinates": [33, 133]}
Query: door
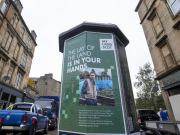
{"type": "Point", "coordinates": [40, 121]}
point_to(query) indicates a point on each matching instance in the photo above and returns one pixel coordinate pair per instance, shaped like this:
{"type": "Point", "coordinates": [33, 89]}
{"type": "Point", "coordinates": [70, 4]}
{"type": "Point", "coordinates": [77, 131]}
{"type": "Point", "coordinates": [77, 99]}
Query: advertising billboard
{"type": "Point", "coordinates": [90, 93]}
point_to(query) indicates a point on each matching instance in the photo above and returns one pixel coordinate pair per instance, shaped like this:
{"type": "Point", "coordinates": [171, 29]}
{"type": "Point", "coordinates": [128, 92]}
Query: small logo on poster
{"type": "Point", "coordinates": [106, 44]}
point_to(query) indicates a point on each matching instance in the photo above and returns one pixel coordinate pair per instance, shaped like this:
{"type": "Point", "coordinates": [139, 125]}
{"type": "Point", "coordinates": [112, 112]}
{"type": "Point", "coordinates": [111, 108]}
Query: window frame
{"type": "Point", "coordinates": [164, 41]}
{"type": "Point", "coordinates": [24, 59]}
{"type": "Point", "coordinates": [22, 32]}
{"type": "Point", "coordinates": [173, 16]}
{"type": "Point", "coordinates": [13, 67]}
{"type": "Point", "coordinates": [33, 109]}
{"type": "Point", "coordinates": [28, 41]}
{"type": "Point", "coordinates": [17, 80]}
{"type": "Point", "coordinates": [1, 58]}
{"type": "Point", "coordinates": [147, 4]}
{"type": "Point", "coordinates": [170, 5]}
{"type": "Point", "coordinates": [4, 10]}
{"type": "Point", "coordinates": [10, 35]}
{"type": "Point", "coordinates": [17, 52]}
{"type": "Point", "coordinates": [150, 18]}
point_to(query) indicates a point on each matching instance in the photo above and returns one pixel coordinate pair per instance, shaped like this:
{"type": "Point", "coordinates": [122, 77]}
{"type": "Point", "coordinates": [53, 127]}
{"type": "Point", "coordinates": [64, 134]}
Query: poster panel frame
{"type": "Point", "coordinates": [119, 80]}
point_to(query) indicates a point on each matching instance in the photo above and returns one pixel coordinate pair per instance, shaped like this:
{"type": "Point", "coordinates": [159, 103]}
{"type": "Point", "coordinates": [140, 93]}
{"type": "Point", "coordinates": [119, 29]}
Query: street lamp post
{"type": "Point", "coordinates": [24, 88]}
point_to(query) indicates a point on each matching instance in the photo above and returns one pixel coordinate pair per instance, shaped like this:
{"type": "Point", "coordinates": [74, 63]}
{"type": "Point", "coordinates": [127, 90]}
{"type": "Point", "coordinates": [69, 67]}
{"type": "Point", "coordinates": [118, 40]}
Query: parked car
{"type": "Point", "coordinates": [146, 115]}
{"type": "Point", "coordinates": [18, 118]}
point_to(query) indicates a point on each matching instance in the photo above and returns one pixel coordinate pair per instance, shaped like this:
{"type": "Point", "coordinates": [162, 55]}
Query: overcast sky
{"type": "Point", "coordinates": [49, 18]}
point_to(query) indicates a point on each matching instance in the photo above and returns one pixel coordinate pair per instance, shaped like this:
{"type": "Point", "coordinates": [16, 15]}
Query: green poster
{"type": "Point", "coordinates": [90, 91]}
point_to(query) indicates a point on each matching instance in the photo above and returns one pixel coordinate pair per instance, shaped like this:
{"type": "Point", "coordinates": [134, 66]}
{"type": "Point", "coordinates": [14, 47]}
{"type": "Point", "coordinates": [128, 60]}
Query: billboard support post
{"type": "Point", "coordinates": [96, 91]}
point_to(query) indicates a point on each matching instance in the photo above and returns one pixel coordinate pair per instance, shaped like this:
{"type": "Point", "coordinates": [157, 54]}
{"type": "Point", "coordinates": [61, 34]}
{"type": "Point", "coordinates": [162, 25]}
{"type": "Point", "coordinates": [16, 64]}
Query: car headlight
{"type": "Point", "coordinates": [49, 121]}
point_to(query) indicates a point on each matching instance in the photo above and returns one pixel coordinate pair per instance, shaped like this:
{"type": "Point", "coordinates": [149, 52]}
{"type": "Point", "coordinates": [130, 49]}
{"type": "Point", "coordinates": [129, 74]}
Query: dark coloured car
{"type": "Point", "coordinates": [146, 115]}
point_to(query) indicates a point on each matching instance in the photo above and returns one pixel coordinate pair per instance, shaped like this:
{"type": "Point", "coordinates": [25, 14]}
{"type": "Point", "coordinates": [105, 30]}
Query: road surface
{"type": "Point", "coordinates": [51, 132]}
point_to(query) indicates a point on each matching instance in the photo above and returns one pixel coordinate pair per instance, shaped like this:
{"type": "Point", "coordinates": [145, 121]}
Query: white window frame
{"type": "Point", "coordinates": [18, 80]}
{"type": "Point", "coordinates": [172, 5]}
{"type": "Point", "coordinates": [28, 41]}
{"type": "Point", "coordinates": [23, 59]}
{"type": "Point", "coordinates": [3, 9]}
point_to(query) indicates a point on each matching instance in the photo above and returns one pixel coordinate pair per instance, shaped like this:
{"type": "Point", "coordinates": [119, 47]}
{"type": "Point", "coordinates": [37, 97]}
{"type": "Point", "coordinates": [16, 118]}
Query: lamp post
{"type": "Point", "coordinates": [24, 88]}
{"type": "Point", "coordinates": [154, 89]}
{"type": "Point", "coordinates": [6, 78]}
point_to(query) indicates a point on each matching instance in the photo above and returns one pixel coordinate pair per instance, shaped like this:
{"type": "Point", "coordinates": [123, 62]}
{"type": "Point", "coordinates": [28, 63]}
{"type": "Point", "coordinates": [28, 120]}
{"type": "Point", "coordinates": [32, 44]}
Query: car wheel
{"type": "Point", "coordinates": [167, 133]}
{"type": "Point", "coordinates": [157, 133]}
{"type": "Point", "coordinates": [33, 131]}
{"type": "Point", "coordinates": [143, 133]}
{"type": "Point", "coordinates": [46, 129]}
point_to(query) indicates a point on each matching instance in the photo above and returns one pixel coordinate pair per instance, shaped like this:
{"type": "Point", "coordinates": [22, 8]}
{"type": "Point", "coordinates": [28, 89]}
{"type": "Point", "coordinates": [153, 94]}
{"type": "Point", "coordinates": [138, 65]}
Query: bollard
{"type": "Point", "coordinates": [1, 123]}
{"type": "Point", "coordinates": [32, 129]}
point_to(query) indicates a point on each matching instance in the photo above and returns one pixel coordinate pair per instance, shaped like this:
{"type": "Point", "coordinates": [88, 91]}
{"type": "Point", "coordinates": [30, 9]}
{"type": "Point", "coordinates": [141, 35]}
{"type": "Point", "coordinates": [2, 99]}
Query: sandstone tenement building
{"type": "Point", "coordinates": [17, 45]}
{"type": "Point", "coordinates": [160, 20]}
{"type": "Point", "coordinates": [47, 86]}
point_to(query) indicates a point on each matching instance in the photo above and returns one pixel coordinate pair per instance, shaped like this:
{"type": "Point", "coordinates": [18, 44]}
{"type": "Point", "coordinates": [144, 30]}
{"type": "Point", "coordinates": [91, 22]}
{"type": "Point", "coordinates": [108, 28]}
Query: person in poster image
{"type": "Point", "coordinates": [89, 89]}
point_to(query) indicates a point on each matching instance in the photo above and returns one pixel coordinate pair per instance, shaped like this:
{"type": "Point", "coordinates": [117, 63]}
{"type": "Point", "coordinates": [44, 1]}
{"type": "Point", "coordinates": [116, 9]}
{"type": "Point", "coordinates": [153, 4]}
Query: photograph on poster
{"type": "Point", "coordinates": [96, 87]}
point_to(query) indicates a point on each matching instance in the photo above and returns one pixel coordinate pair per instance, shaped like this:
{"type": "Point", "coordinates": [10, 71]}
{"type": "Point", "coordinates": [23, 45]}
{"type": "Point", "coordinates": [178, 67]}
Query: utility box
{"type": "Point", "coordinates": [96, 91]}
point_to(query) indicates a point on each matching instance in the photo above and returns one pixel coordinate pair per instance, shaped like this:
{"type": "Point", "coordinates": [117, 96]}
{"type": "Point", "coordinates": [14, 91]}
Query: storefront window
{"type": "Point", "coordinates": [174, 91]}
{"type": "Point", "coordinates": [13, 99]}
{"type": "Point", "coordinates": [5, 96]}
{"type": "Point", "coordinates": [18, 99]}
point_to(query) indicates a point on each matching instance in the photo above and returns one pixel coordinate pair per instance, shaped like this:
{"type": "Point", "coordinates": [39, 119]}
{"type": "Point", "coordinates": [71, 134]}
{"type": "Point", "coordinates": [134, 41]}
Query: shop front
{"type": "Point", "coordinates": [172, 87]}
{"type": "Point", "coordinates": [10, 95]}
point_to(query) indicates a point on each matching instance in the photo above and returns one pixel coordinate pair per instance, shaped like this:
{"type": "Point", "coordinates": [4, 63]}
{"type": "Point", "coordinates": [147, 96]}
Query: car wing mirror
{"type": "Point", "coordinates": [44, 113]}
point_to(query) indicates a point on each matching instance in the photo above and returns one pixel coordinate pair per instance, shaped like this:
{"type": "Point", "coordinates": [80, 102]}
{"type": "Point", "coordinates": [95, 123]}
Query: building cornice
{"type": "Point", "coordinates": [22, 20]}
{"type": "Point", "coordinates": [138, 5]}
{"type": "Point", "coordinates": [168, 73]}
{"type": "Point", "coordinates": [177, 25]}
{"type": "Point", "coordinates": [161, 41]}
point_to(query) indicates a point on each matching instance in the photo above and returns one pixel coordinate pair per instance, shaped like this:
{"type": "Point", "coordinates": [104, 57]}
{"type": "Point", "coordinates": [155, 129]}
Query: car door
{"type": "Point", "coordinates": [44, 119]}
{"type": "Point", "coordinates": [39, 118]}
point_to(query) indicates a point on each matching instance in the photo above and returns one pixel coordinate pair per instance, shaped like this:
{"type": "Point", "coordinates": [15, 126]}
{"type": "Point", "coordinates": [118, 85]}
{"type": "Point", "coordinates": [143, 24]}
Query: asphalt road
{"type": "Point", "coordinates": [51, 132]}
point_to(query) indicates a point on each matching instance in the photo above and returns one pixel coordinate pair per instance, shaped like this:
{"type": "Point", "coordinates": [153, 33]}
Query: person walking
{"type": "Point", "coordinates": [163, 115]}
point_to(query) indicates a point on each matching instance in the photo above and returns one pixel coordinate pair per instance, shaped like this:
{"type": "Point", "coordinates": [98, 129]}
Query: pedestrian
{"type": "Point", "coordinates": [163, 115]}
{"type": "Point", "coordinates": [89, 89]}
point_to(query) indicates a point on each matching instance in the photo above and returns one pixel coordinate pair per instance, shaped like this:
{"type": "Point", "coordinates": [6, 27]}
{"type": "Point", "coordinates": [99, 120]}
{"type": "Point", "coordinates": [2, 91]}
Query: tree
{"type": "Point", "coordinates": [146, 80]}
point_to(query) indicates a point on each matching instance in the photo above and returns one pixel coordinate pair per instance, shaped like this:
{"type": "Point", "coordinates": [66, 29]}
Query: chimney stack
{"type": "Point", "coordinates": [33, 33]}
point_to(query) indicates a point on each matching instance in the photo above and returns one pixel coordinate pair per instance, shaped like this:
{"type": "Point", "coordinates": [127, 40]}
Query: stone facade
{"type": "Point", "coordinates": [47, 86]}
{"type": "Point", "coordinates": [17, 45]}
{"type": "Point", "coordinates": [161, 25]}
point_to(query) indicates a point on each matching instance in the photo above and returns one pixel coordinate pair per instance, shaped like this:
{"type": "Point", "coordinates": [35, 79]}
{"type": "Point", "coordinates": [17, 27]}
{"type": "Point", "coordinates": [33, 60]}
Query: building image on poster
{"type": "Point", "coordinates": [96, 90]}
{"type": "Point", "coordinates": [95, 87]}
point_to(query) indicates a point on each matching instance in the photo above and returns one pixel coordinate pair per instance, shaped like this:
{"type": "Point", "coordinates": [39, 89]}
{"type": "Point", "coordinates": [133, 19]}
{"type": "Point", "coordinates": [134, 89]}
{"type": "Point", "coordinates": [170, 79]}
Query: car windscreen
{"type": "Point", "coordinates": [146, 112]}
{"type": "Point", "coordinates": [22, 107]}
{"type": "Point", "coordinates": [44, 104]}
